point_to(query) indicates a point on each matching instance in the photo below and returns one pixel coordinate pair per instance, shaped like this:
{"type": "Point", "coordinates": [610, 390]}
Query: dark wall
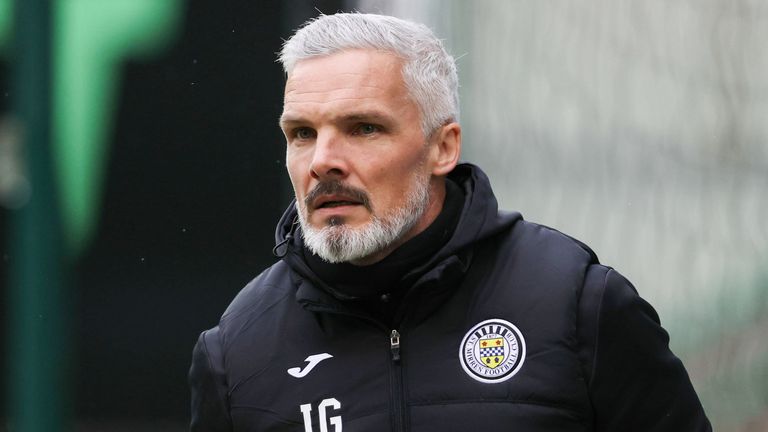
{"type": "Point", "coordinates": [195, 184]}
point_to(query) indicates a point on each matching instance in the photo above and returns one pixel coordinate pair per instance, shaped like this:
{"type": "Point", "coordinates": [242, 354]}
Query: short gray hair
{"type": "Point", "coordinates": [429, 72]}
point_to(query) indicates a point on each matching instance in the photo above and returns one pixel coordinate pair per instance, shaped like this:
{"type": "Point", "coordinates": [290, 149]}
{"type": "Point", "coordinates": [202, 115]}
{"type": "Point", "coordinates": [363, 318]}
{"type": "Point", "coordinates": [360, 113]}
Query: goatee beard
{"type": "Point", "coordinates": [337, 242]}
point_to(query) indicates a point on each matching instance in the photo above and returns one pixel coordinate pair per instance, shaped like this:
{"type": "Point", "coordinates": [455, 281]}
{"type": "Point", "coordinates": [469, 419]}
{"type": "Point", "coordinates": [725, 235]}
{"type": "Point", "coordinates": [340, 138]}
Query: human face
{"type": "Point", "coordinates": [355, 149]}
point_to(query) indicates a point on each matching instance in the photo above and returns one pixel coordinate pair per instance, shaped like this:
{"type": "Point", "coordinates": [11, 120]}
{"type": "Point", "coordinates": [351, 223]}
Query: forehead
{"type": "Point", "coordinates": [359, 76]}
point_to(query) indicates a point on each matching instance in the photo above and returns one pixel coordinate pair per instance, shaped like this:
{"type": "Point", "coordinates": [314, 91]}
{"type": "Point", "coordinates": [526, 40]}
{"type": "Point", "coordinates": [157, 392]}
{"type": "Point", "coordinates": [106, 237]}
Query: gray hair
{"type": "Point", "coordinates": [429, 72]}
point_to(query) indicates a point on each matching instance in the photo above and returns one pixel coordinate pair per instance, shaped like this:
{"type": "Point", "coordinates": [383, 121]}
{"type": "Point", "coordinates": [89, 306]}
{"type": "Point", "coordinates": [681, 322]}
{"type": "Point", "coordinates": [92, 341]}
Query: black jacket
{"type": "Point", "coordinates": [511, 326]}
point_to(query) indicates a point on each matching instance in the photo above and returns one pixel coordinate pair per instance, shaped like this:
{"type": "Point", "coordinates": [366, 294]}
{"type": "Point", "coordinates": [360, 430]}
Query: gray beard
{"type": "Point", "coordinates": [337, 242]}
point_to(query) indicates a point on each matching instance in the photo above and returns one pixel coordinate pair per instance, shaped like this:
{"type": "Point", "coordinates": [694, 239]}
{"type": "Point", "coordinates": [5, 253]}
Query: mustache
{"type": "Point", "coordinates": [336, 187]}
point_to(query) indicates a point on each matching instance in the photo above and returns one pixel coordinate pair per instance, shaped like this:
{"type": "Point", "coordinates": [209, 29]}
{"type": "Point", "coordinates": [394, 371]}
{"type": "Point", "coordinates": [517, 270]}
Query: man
{"type": "Point", "coordinates": [404, 300]}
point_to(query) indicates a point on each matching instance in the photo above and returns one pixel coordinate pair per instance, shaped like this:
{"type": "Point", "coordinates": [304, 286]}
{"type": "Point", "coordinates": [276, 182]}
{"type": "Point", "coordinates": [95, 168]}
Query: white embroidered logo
{"type": "Point", "coordinates": [312, 361]}
{"type": "Point", "coordinates": [324, 421]}
{"type": "Point", "coordinates": [492, 351]}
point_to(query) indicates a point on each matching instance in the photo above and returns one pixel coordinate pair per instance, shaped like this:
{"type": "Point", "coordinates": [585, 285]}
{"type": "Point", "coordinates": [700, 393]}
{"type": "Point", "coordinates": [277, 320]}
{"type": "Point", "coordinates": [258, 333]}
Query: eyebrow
{"type": "Point", "coordinates": [284, 119]}
{"type": "Point", "coordinates": [351, 117]}
{"type": "Point", "coordinates": [365, 115]}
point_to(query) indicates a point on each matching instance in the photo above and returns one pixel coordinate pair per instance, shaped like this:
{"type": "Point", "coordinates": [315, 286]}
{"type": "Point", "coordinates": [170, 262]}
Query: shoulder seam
{"type": "Point", "coordinates": [597, 327]}
{"type": "Point", "coordinates": [593, 259]}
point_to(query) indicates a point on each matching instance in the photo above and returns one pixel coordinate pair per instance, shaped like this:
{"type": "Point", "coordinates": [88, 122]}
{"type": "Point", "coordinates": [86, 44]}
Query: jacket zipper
{"type": "Point", "coordinates": [396, 376]}
{"type": "Point", "coordinates": [396, 372]}
{"type": "Point", "coordinates": [394, 345]}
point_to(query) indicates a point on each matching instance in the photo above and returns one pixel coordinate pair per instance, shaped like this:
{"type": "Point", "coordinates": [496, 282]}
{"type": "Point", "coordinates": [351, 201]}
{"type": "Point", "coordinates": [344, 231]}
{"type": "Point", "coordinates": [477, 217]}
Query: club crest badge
{"type": "Point", "coordinates": [492, 351]}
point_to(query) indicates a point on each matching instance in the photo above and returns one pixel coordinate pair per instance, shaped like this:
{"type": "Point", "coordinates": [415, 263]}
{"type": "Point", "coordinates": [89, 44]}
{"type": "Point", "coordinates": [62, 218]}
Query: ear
{"type": "Point", "coordinates": [446, 148]}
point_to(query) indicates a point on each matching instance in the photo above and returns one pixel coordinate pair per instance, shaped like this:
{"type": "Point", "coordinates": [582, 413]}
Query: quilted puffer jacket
{"type": "Point", "coordinates": [512, 326]}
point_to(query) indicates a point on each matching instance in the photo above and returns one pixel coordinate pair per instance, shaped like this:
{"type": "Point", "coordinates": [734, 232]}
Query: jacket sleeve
{"type": "Point", "coordinates": [635, 382]}
{"type": "Point", "coordinates": [210, 407]}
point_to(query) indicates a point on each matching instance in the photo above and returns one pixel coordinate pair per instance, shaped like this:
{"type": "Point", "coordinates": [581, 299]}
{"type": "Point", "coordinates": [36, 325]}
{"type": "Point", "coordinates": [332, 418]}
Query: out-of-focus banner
{"type": "Point", "coordinates": [640, 128]}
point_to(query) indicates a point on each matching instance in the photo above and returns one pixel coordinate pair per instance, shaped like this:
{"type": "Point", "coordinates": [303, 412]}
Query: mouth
{"type": "Point", "coordinates": [334, 202]}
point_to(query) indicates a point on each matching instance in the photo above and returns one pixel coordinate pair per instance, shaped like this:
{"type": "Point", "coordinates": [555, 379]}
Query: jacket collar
{"type": "Point", "coordinates": [480, 219]}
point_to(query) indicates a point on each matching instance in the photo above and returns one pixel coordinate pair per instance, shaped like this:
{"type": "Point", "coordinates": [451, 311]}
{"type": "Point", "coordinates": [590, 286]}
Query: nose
{"type": "Point", "coordinates": [329, 159]}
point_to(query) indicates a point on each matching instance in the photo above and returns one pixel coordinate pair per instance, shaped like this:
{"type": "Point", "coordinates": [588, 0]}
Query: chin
{"type": "Point", "coordinates": [335, 221]}
{"type": "Point", "coordinates": [338, 221]}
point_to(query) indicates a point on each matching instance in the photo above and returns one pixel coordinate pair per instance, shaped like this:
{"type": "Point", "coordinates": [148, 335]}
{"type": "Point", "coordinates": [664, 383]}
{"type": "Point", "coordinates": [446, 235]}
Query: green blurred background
{"type": "Point", "coordinates": [141, 176]}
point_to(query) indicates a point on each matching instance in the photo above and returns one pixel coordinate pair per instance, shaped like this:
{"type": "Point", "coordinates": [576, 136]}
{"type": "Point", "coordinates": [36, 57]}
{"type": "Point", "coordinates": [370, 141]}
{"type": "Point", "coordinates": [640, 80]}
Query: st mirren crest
{"type": "Point", "coordinates": [492, 351]}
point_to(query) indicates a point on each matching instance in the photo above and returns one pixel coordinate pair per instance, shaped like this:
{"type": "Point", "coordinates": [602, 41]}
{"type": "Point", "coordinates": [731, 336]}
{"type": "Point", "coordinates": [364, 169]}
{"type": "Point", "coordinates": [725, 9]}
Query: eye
{"type": "Point", "coordinates": [366, 129]}
{"type": "Point", "coordinates": [303, 133]}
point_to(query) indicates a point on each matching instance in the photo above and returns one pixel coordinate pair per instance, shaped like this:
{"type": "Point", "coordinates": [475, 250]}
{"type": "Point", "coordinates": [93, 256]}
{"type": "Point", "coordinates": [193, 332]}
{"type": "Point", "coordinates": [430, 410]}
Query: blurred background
{"type": "Point", "coordinates": [142, 174]}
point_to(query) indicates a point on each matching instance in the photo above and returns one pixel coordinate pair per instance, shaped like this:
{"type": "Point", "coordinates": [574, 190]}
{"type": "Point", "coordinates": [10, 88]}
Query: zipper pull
{"type": "Point", "coordinates": [394, 345]}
